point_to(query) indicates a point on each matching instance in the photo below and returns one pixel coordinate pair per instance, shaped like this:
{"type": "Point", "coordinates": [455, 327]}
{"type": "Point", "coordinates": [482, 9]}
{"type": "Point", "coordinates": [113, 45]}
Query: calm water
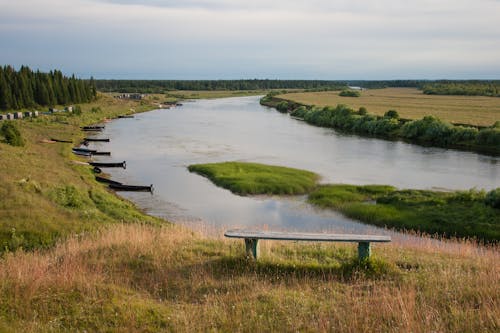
{"type": "Point", "coordinates": [159, 145]}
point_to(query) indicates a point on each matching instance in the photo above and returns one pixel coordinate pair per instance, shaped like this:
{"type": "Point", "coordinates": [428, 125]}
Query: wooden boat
{"type": "Point", "coordinates": [109, 165]}
{"type": "Point", "coordinates": [65, 141]}
{"type": "Point", "coordinates": [126, 116]}
{"type": "Point", "coordinates": [82, 153]}
{"type": "Point", "coordinates": [92, 128]}
{"type": "Point", "coordinates": [95, 140]}
{"type": "Point", "coordinates": [91, 151]}
{"type": "Point", "coordinates": [84, 150]}
{"type": "Point", "coordinates": [107, 180]}
{"type": "Point", "coordinates": [136, 188]}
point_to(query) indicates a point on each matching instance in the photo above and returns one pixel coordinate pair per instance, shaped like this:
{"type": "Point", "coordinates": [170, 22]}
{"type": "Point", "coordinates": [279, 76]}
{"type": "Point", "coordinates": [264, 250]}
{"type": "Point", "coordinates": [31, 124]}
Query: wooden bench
{"type": "Point", "coordinates": [252, 239]}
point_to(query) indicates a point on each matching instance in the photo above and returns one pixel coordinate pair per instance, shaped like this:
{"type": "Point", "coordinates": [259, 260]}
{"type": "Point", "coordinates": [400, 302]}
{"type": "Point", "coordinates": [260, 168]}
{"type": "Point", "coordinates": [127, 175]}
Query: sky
{"type": "Point", "coordinates": [234, 39]}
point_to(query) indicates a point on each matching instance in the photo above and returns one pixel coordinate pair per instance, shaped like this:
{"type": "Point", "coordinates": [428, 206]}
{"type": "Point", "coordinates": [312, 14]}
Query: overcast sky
{"type": "Point", "coordinates": [232, 39]}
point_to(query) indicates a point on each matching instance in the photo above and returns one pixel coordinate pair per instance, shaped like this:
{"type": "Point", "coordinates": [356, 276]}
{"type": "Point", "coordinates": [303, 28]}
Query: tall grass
{"type": "Point", "coordinates": [143, 278]}
{"type": "Point", "coordinates": [453, 214]}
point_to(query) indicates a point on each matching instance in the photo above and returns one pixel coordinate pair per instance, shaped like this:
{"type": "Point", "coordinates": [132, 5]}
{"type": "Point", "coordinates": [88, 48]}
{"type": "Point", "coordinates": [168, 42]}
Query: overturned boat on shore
{"type": "Point", "coordinates": [135, 188]}
{"type": "Point", "coordinates": [109, 165]}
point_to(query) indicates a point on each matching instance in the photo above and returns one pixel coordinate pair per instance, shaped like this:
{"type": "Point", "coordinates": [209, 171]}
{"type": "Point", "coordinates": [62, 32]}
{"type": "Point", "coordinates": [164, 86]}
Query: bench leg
{"type": "Point", "coordinates": [363, 250]}
{"type": "Point", "coordinates": [252, 247]}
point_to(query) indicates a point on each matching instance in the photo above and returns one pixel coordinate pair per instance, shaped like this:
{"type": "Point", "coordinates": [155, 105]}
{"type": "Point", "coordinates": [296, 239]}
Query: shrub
{"type": "Point", "coordinates": [429, 129]}
{"type": "Point", "coordinates": [299, 112]}
{"type": "Point", "coordinates": [77, 110]}
{"type": "Point", "coordinates": [349, 93]}
{"type": "Point", "coordinates": [362, 111]}
{"type": "Point", "coordinates": [463, 134]}
{"type": "Point", "coordinates": [11, 134]}
{"type": "Point", "coordinates": [392, 114]}
{"type": "Point", "coordinates": [95, 109]}
{"type": "Point", "coordinates": [282, 106]}
{"type": "Point", "coordinates": [489, 137]}
{"type": "Point", "coordinates": [493, 198]}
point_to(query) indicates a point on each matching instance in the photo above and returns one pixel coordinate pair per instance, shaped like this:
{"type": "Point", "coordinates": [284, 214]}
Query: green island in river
{"type": "Point", "coordinates": [472, 213]}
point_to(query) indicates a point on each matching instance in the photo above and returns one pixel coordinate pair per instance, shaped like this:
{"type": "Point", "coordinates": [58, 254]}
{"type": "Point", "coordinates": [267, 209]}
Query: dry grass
{"type": "Point", "coordinates": [143, 278]}
{"type": "Point", "coordinates": [411, 104]}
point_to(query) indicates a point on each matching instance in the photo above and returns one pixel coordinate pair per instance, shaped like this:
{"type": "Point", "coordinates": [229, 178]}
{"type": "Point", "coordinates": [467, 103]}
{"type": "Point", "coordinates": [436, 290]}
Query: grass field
{"type": "Point", "coordinates": [411, 104]}
{"type": "Point", "coordinates": [149, 279]}
{"type": "Point", "coordinates": [253, 178]}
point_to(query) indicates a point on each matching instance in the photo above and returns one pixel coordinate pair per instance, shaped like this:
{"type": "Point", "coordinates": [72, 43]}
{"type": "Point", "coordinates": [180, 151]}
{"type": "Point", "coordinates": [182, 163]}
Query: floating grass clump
{"type": "Point", "coordinates": [253, 178]}
{"type": "Point", "coordinates": [452, 214]}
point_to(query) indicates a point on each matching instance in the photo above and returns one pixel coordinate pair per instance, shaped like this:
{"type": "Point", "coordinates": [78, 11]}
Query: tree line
{"type": "Point", "coordinates": [162, 86]}
{"type": "Point", "coordinates": [427, 131]}
{"type": "Point", "coordinates": [26, 88]}
{"type": "Point", "coordinates": [468, 88]}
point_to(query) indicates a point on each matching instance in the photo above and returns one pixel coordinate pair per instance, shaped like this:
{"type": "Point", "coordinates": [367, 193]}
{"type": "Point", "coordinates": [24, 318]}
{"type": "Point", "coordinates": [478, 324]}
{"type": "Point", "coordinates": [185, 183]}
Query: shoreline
{"type": "Point", "coordinates": [273, 102]}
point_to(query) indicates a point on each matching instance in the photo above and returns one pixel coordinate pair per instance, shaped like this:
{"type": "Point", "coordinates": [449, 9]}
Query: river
{"type": "Point", "coordinates": [159, 145]}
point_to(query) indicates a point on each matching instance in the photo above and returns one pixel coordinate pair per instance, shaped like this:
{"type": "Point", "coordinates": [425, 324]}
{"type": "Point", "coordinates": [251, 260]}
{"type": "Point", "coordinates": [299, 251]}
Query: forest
{"type": "Point", "coordinates": [468, 88]}
{"type": "Point", "coordinates": [161, 86]}
{"type": "Point", "coordinates": [25, 88]}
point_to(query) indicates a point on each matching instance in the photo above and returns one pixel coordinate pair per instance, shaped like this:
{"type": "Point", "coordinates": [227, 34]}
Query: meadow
{"type": "Point", "coordinates": [148, 279]}
{"type": "Point", "coordinates": [411, 103]}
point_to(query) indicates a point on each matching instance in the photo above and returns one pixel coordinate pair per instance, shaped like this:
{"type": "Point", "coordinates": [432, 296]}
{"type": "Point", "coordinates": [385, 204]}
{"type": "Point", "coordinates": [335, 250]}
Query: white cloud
{"type": "Point", "coordinates": [318, 38]}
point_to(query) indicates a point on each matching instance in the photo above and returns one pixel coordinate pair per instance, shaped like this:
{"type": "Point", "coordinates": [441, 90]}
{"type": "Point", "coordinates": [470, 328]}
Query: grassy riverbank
{"type": "Point", "coordinates": [471, 214]}
{"type": "Point", "coordinates": [253, 178]}
{"type": "Point", "coordinates": [452, 214]}
{"type": "Point", "coordinates": [45, 196]}
{"type": "Point", "coordinates": [428, 131]}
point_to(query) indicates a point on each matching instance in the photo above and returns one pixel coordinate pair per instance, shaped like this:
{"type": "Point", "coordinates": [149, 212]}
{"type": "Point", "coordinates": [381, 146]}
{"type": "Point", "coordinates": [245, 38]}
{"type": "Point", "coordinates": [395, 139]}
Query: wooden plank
{"type": "Point", "coordinates": [277, 235]}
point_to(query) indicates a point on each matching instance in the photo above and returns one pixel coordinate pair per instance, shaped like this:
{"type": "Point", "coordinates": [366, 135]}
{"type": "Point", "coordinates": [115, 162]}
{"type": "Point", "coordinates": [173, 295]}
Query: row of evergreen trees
{"type": "Point", "coordinates": [27, 89]}
{"type": "Point", "coordinates": [162, 86]}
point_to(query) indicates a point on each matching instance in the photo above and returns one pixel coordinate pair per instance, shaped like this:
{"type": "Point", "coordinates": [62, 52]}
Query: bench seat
{"type": "Point", "coordinates": [252, 237]}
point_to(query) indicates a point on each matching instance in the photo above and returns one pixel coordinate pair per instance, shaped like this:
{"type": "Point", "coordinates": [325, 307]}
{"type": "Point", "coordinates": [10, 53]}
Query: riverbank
{"type": "Point", "coordinates": [464, 214]}
{"type": "Point", "coordinates": [46, 196]}
{"type": "Point", "coordinates": [428, 131]}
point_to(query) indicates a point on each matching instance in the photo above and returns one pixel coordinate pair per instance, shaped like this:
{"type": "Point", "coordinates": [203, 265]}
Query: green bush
{"type": "Point", "coordinates": [362, 111]}
{"type": "Point", "coordinates": [492, 199]}
{"type": "Point", "coordinates": [11, 134]}
{"type": "Point", "coordinates": [489, 137]}
{"type": "Point", "coordinates": [77, 110]}
{"type": "Point", "coordinates": [282, 106]}
{"type": "Point", "coordinates": [349, 93]}
{"type": "Point", "coordinates": [393, 114]}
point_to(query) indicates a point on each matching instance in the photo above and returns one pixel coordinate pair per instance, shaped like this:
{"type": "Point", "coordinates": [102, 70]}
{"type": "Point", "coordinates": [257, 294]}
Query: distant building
{"type": "Point", "coordinates": [10, 116]}
{"type": "Point", "coordinates": [35, 113]}
{"type": "Point", "coordinates": [131, 96]}
{"type": "Point", "coordinates": [69, 108]}
{"type": "Point", "coordinates": [18, 115]}
{"type": "Point", "coordinates": [3, 117]}
{"type": "Point", "coordinates": [28, 114]}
